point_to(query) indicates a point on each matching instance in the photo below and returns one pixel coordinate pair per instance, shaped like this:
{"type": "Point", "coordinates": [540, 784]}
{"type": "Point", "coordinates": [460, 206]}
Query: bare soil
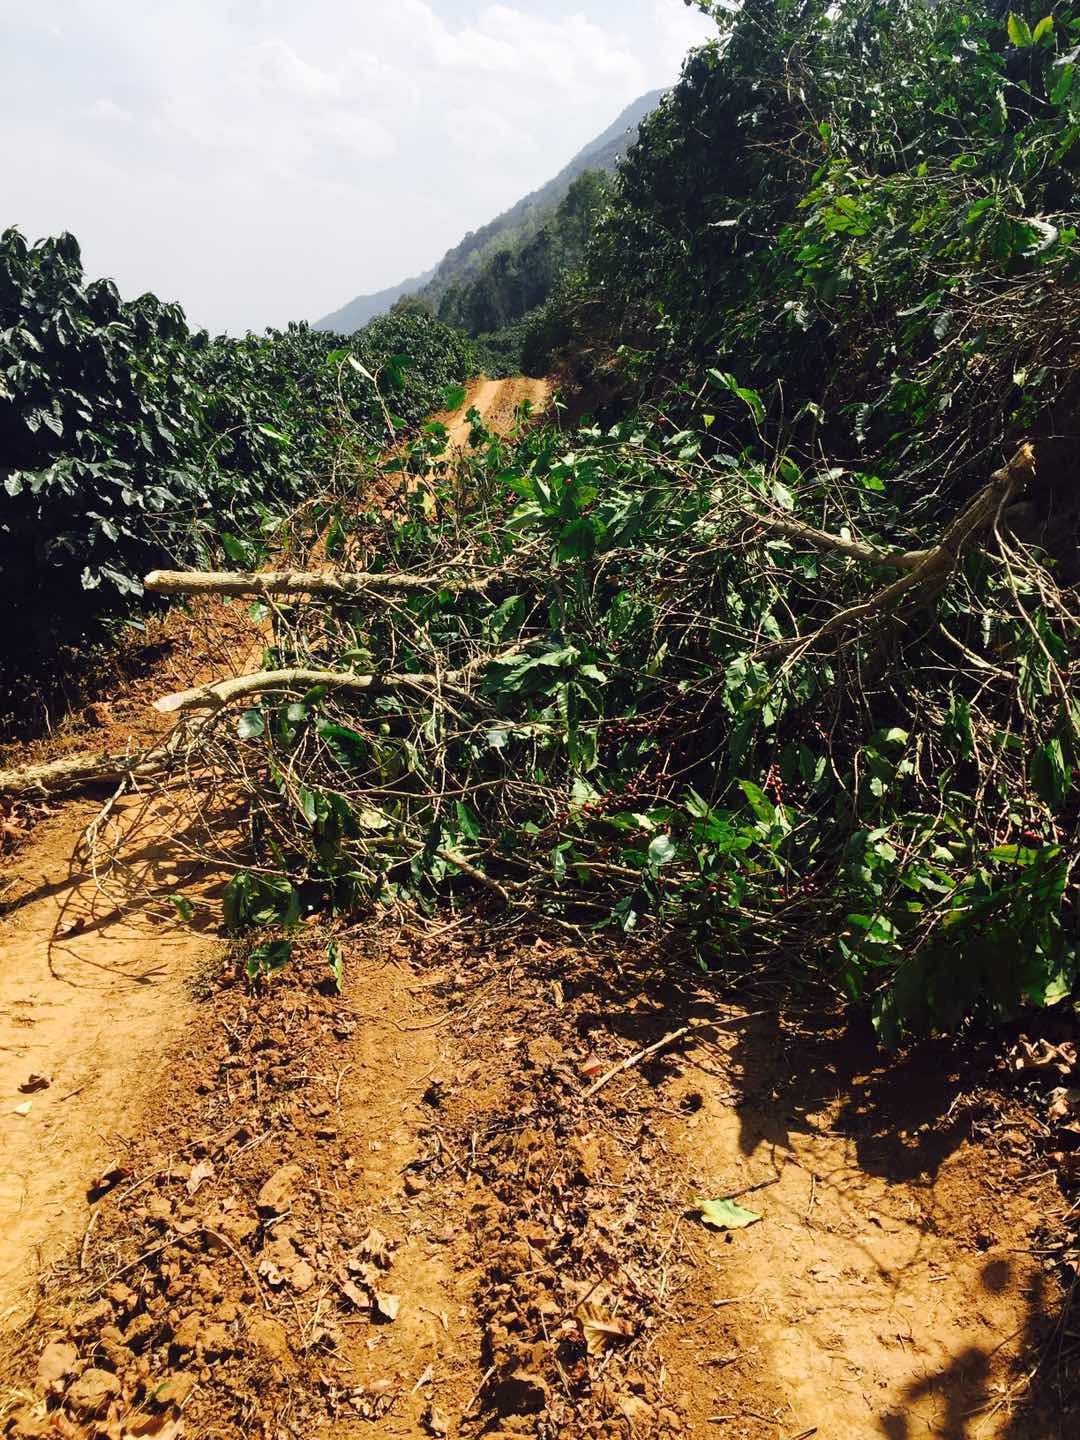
{"type": "Point", "coordinates": [408, 1209]}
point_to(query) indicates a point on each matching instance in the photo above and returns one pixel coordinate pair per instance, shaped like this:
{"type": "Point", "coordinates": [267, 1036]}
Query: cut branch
{"type": "Point", "coordinates": [222, 692]}
{"type": "Point", "coordinates": [84, 772]}
{"type": "Point", "coordinates": [859, 550]}
{"type": "Point", "coordinates": [304, 582]}
{"type": "Point", "coordinates": [936, 564]}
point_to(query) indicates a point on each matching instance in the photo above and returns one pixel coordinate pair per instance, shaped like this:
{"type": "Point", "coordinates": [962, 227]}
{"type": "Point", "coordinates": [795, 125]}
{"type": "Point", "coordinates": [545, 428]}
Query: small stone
{"type": "Point", "coordinates": [187, 1333]}
{"type": "Point", "coordinates": [25, 1425]}
{"type": "Point", "coordinates": [415, 1184]}
{"type": "Point", "coordinates": [270, 1337]}
{"type": "Point", "coordinates": [91, 1393]}
{"type": "Point", "coordinates": [216, 1340]}
{"type": "Point", "coordinates": [139, 1331]}
{"type": "Point", "coordinates": [122, 1296]}
{"type": "Point", "coordinates": [57, 1362]}
{"type": "Point", "coordinates": [93, 1316]}
{"type": "Point", "coordinates": [279, 1192]}
{"type": "Point", "coordinates": [174, 1389]}
{"type": "Point", "coordinates": [521, 1393]}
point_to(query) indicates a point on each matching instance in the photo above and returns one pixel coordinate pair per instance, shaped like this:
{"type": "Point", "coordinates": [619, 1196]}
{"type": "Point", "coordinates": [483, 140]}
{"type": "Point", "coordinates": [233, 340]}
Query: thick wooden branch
{"type": "Point", "coordinates": [60, 777]}
{"type": "Point", "coordinates": [304, 582]}
{"type": "Point", "coordinates": [84, 772]}
{"type": "Point", "coordinates": [222, 692]}
{"type": "Point", "coordinates": [936, 564]}
{"type": "Point", "coordinates": [854, 549]}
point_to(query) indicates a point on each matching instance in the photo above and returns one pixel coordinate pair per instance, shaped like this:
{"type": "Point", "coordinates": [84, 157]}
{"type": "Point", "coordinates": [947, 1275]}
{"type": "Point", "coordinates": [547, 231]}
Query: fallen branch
{"type": "Point", "coordinates": [632, 1060]}
{"type": "Point", "coordinates": [222, 692]}
{"type": "Point", "coordinates": [859, 550]}
{"type": "Point", "coordinates": [935, 564]}
{"type": "Point", "coordinates": [304, 582]}
{"type": "Point", "coordinates": [81, 772]}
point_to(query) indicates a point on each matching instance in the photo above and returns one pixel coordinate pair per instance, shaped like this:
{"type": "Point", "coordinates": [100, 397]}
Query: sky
{"type": "Point", "coordinates": [262, 161]}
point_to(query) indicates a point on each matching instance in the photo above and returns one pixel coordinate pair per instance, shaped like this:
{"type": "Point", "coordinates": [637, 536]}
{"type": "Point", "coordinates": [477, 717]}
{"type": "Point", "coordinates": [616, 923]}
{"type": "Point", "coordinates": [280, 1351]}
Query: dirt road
{"type": "Point", "coordinates": [496, 402]}
{"type": "Point", "coordinates": [421, 1206]}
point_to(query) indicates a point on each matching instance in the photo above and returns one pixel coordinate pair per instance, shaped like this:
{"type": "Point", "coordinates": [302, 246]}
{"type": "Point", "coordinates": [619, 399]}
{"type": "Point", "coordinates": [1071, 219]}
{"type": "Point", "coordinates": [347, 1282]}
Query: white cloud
{"type": "Point", "coordinates": [363, 136]}
{"type": "Point", "coordinates": [204, 143]}
{"type": "Point", "coordinates": [275, 66]}
{"type": "Point", "coordinates": [484, 133]}
{"type": "Point", "coordinates": [108, 110]}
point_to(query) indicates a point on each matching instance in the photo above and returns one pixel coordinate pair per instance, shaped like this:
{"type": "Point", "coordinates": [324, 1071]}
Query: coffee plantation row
{"type": "Point", "coordinates": [128, 439]}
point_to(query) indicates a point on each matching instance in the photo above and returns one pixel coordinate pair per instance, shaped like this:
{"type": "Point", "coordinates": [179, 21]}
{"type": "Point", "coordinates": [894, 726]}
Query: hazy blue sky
{"type": "Point", "coordinates": [266, 160]}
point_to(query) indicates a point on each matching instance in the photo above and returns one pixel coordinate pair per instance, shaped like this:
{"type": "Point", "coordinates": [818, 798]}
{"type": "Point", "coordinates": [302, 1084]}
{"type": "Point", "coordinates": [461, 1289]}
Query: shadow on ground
{"type": "Point", "coordinates": [789, 1063]}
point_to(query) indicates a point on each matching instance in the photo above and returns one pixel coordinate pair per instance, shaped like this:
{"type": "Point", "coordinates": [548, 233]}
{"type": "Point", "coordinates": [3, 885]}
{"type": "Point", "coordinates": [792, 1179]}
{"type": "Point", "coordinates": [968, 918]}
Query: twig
{"type": "Point", "coordinates": [302, 582]}
{"type": "Point", "coordinates": [86, 1238]}
{"type": "Point", "coordinates": [479, 1390]}
{"type": "Point", "coordinates": [632, 1060]}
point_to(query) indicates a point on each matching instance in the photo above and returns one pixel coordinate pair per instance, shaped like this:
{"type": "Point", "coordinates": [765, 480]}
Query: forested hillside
{"type": "Point", "coordinates": [510, 232]}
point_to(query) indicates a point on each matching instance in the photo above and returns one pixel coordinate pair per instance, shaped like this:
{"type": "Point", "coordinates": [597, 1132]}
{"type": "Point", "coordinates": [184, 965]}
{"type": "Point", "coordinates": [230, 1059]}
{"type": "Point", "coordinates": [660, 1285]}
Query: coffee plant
{"type": "Point", "coordinates": [126, 439]}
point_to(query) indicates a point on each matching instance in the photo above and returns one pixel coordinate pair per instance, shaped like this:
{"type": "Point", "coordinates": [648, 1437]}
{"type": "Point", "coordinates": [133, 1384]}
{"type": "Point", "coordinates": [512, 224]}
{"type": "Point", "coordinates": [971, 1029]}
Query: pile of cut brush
{"type": "Point", "coordinates": [618, 680]}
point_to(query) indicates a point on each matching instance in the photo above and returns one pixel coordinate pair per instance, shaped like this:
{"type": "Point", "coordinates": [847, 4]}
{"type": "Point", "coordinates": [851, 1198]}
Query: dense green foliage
{"type": "Point", "coordinates": [840, 275]}
{"type": "Point", "coordinates": [124, 436]}
{"type": "Point", "coordinates": [866, 213]}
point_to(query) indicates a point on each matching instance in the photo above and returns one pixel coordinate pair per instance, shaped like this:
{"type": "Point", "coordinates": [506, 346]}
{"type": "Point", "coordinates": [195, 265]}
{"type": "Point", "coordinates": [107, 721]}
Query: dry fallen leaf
{"type": "Point", "coordinates": [1064, 1104]}
{"type": "Point", "coordinates": [376, 1247]}
{"type": "Point", "coordinates": [725, 1215]}
{"type": "Point", "coordinates": [1041, 1055]}
{"type": "Point", "coordinates": [601, 1332]}
{"type": "Point", "coordinates": [199, 1175]}
{"type": "Point", "coordinates": [436, 1421]}
{"type": "Point", "coordinates": [387, 1305]}
{"type": "Point", "coordinates": [35, 1083]}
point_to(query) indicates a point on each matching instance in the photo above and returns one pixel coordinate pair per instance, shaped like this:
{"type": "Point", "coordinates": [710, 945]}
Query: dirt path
{"type": "Point", "coordinates": [92, 999]}
{"type": "Point", "coordinates": [496, 401]}
{"type": "Point", "coordinates": [403, 1211]}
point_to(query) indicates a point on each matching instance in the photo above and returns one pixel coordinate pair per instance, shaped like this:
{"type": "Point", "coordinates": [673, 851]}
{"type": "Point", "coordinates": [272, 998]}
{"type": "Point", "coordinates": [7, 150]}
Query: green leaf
{"type": "Point", "coordinates": [725, 1214]}
{"type": "Point", "coordinates": [250, 725]}
{"type": "Point", "coordinates": [759, 801]}
{"type": "Point", "coordinates": [1050, 775]}
{"type": "Point", "coordinates": [360, 369]}
{"type": "Point", "coordinates": [238, 551]}
{"type": "Point", "coordinates": [1044, 30]}
{"type": "Point", "coordinates": [1020, 31]}
{"type": "Point", "coordinates": [274, 434]}
{"type": "Point", "coordinates": [269, 958]}
{"type": "Point", "coordinates": [335, 958]}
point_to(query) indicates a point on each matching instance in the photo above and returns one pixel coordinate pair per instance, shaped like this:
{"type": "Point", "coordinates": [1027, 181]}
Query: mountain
{"type": "Point", "coordinates": [357, 313]}
{"type": "Point", "coordinates": [512, 228]}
